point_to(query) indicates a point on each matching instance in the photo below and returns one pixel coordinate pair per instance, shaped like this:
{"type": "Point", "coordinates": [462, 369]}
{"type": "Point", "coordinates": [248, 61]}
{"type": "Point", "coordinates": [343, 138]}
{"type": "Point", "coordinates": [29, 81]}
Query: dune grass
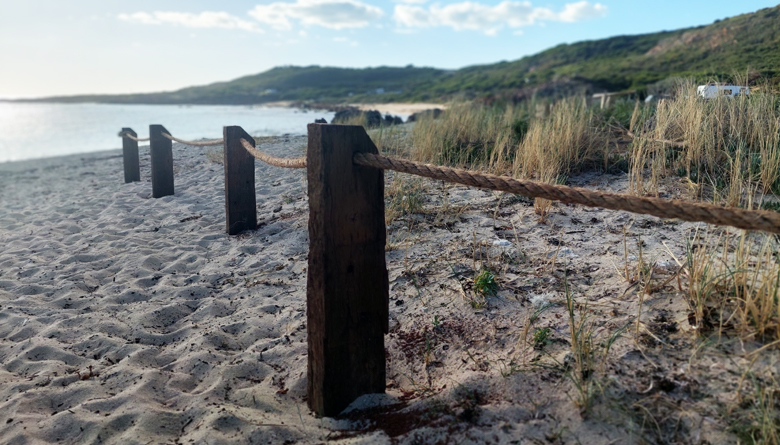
{"type": "Point", "coordinates": [723, 151]}
{"type": "Point", "coordinates": [724, 147]}
{"type": "Point", "coordinates": [726, 150]}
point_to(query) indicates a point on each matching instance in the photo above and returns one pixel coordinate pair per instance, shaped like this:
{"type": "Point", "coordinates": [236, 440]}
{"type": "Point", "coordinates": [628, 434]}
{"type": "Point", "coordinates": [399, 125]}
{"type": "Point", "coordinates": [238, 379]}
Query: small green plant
{"type": "Point", "coordinates": [582, 349]}
{"type": "Point", "coordinates": [485, 283]}
{"type": "Point", "coordinates": [541, 338]}
{"type": "Point", "coordinates": [436, 321]}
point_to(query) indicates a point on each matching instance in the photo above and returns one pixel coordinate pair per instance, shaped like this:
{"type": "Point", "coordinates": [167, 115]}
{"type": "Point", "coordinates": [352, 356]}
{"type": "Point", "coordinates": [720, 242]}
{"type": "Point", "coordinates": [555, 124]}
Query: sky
{"type": "Point", "coordinates": [68, 47]}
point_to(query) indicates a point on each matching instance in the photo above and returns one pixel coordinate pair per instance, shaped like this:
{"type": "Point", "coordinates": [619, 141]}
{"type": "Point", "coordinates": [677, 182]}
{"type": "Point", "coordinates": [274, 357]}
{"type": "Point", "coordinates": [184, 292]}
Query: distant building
{"type": "Point", "coordinates": [713, 90]}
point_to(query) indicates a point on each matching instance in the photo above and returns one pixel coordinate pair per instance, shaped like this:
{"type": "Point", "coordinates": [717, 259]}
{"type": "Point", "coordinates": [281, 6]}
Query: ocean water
{"type": "Point", "coordinates": [39, 130]}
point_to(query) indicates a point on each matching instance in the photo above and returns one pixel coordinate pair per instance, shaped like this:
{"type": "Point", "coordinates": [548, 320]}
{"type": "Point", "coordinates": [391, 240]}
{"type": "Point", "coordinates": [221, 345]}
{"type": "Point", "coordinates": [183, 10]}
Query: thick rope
{"type": "Point", "coordinates": [271, 160]}
{"type": "Point", "coordinates": [686, 211]}
{"type": "Point", "coordinates": [130, 136]}
{"type": "Point", "coordinates": [207, 143]}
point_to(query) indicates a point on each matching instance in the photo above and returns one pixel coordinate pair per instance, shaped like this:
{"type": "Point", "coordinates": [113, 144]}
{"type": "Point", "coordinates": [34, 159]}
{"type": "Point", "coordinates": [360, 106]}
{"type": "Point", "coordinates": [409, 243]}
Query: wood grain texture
{"type": "Point", "coordinates": [347, 287]}
{"type": "Point", "coordinates": [240, 201]}
{"type": "Point", "coordinates": [130, 157]}
{"type": "Point", "coordinates": [161, 152]}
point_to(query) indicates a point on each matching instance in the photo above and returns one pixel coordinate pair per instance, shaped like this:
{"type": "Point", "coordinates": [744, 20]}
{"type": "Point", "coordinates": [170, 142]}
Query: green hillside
{"type": "Point", "coordinates": [312, 83]}
{"type": "Point", "coordinates": [749, 41]}
{"type": "Point", "coordinates": [717, 51]}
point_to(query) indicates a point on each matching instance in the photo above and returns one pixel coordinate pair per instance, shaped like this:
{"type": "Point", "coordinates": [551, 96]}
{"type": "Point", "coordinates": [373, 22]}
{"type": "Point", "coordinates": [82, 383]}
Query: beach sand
{"type": "Point", "coordinates": [197, 337]}
{"type": "Point", "coordinates": [404, 109]}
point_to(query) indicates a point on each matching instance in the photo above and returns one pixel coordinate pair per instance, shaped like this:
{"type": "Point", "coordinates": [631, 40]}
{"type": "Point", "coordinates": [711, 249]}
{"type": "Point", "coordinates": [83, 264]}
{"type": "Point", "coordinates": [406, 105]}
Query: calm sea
{"type": "Point", "coordinates": [37, 130]}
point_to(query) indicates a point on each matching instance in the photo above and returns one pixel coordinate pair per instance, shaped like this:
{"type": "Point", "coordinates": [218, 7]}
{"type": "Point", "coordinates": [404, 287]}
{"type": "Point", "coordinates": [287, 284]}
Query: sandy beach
{"type": "Point", "coordinates": [126, 319]}
{"type": "Point", "coordinates": [405, 109]}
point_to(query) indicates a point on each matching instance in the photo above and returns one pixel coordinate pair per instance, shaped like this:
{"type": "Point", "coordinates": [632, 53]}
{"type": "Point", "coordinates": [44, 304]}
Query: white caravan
{"type": "Point", "coordinates": [711, 91]}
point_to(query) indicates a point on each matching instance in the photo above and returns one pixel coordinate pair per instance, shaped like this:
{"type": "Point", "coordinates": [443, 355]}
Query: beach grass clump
{"type": "Point", "coordinates": [469, 135]}
{"type": "Point", "coordinates": [723, 145]}
{"type": "Point", "coordinates": [734, 284]}
{"type": "Point", "coordinates": [391, 140]}
{"type": "Point", "coordinates": [404, 197]}
{"type": "Point", "coordinates": [563, 142]}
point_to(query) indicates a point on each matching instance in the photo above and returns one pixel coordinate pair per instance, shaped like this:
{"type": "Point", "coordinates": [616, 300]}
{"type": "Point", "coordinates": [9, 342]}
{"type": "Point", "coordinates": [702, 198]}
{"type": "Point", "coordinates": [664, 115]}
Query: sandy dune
{"type": "Point", "coordinates": [196, 337]}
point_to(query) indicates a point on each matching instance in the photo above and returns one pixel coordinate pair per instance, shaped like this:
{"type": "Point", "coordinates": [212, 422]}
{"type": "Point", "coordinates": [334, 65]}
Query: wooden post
{"type": "Point", "coordinates": [240, 203]}
{"type": "Point", "coordinates": [161, 151]}
{"type": "Point", "coordinates": [130, 155]}
{"type": "Point", "coordinates": [347, 287]}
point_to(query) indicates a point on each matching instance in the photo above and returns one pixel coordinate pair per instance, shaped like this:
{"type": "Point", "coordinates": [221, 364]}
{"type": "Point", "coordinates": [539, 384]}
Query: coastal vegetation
{"type": "Point", "coordinates": [724, 151]}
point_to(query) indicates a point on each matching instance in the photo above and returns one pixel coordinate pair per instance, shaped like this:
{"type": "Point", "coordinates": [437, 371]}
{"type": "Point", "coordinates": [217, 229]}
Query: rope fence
{"type": "Point", "coordinates": [347, 281]}
{"type": "Point", "coordinates": [687, 211]}
{"type": "Point", "coordinates": [271, 160]}
{"type": "Point", "coordinates": [132, 137]}
{"type": "Point", "coordinates": [206, 143]}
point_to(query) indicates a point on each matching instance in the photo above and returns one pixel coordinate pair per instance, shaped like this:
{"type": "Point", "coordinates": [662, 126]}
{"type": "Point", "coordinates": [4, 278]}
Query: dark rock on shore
{"type": "Point", "coordinates": [433, 113]}
{"type": "Point", "coordinates": [370, 118]}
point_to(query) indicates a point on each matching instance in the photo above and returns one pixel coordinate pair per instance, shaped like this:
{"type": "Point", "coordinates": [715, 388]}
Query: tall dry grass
{"type": "Point", "coordinates": [734, 284]}
{"type": "Point", "coordinates": [468, 135]}
{"type": "Point", "coordinates": [557, 145]}
{"type": "Point", "coordinates": [508, 140]}
{"type": "Point", "coordinates": [723, 145]}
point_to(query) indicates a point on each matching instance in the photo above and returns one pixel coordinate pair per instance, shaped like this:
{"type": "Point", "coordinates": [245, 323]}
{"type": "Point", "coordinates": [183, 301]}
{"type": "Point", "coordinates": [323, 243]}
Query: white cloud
{"type": "Point", "coordinates": [335, 14]}
{"type": "Point", "coordinates": [206, 19]}
{"type": "Point", "coordinates": [490, 19]}
{"type": "Point", "coordinates": [576, 12]}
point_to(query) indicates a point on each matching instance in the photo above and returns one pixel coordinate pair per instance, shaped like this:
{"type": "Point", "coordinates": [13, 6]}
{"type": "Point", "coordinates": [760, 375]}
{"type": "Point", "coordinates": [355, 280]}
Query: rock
{"type": "Point", "coordinates": [320, 121]}
{"type": "Point", "coordinates": [432, 113]}
{"type": "Point", "coordinates": [370, 118]}
{"type": "Point", "coordinates": [392, 120]}
{"type": "Point", "coordinates": [346, 115]}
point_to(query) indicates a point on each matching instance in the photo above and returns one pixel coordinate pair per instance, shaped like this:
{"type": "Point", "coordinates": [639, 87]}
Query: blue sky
{"type": "Point", "coordinates": [58, 47]}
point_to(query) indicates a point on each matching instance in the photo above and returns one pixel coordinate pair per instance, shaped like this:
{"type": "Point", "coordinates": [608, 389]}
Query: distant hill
{"type": "Point", "coordinates": [734, 45]}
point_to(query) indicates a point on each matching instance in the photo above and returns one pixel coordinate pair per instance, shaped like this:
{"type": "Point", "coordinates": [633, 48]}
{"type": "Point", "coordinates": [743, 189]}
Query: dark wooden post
{"type": "Point", "coordinates": [347, 287]}
{"type": "Point", "coordinates": [161, 151]}
{"type": "Point", "coordinates": [130, 155]}
{"type": "Point", "coordinates": [240, 203]}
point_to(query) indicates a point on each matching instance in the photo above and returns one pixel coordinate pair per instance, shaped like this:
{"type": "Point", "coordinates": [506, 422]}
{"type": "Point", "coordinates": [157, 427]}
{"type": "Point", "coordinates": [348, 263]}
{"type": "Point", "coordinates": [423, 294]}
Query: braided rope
{"type": "Point", "coordinates": [686, 211]}
{"type": "Point", "coordinates": [208, 143]}
{"type": "Point", "coordinates": [130, 136]}
{"type": "Point", "coordinates": [271, 160]}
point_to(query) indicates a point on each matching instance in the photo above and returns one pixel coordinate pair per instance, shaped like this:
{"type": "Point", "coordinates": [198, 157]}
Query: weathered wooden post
{"type": "Point", "coordinates": [130, 156]}
{"type": "Point", "coordinates": [240, 202]}
{"type": "Point", "coordinates": [161, 152]}
{"type": "Point", "coordinates": [347, 287]}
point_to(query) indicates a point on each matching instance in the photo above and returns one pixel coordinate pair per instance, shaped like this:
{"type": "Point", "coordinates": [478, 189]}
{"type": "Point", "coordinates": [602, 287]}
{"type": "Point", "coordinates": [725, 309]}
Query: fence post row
{"type": "Point", "coordinates": [161, 152]}
{"type": "Point", "coordinates": [240, 201]}
{"type": "Point", "coordinates": [347, 285]}
{"type": "Point", "coordinates": [130, 156]}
